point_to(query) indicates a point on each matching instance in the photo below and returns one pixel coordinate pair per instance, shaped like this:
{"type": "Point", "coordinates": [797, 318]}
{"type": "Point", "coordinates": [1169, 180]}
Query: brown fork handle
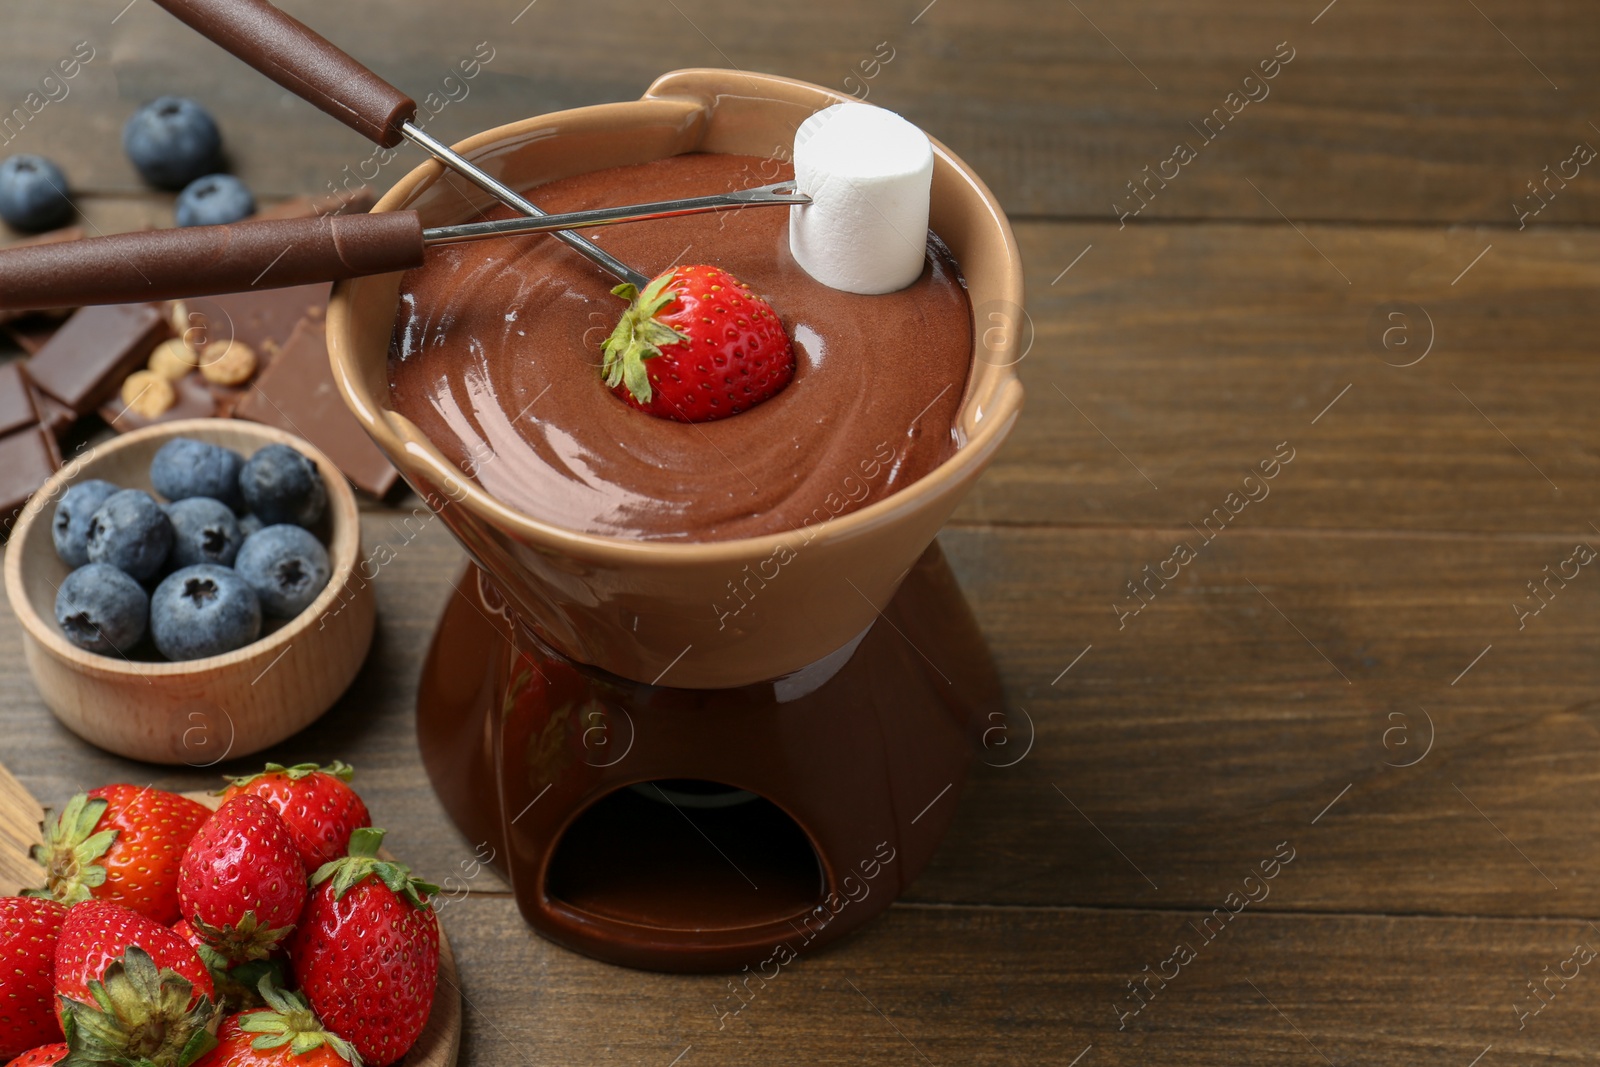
{"type": "Point", "coordinates": [203, 260]}
{"type": "Point", "coordinates": [303, 62]}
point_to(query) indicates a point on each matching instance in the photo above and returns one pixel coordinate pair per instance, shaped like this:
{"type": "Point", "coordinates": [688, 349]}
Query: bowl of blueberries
{"type": "Point", "coordinates": [189, 592]}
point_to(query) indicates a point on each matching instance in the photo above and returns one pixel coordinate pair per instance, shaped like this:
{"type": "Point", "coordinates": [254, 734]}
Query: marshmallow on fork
{"type": "Point", "coordinates": [868, 172]}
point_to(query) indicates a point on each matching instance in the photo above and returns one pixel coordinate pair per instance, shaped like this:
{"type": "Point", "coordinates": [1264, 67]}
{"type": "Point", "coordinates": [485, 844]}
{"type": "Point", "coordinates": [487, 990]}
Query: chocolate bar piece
{"type": "Point", "coordinates": [16, 399]}
{"type": "Point", "coordinates": [195, 401]}
{"type": "Point", "coordinates": [33, 331]}
{"type": "Point", "coordinates": [263, 320]}
{"type": "Point", "coordinates": [53, 414]}
{"type": "Point", "coordinates": [86, 360]}
{"type": "Point", "coordinates": [297, 394]}
{"type": "Point", "coordinates": [28, 458]}
{"type": "Point", "coordinates": [254, 318]}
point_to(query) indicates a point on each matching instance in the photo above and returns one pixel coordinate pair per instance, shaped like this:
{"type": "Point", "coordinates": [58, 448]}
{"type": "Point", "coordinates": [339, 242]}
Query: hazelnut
{"type": "Point", "coordinates": [172, 359]}
{"type": "Point", "coordinates": [147, 394]}
{"type": "Point", "coordinates": [228, 363]}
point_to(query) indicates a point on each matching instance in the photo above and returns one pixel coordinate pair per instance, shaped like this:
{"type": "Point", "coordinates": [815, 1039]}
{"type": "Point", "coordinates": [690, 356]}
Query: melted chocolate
{"type": "Point", "coordinates": [497, 347]}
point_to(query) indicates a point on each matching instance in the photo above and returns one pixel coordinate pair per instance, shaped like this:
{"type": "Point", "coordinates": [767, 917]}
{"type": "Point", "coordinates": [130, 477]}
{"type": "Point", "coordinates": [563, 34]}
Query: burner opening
{"type": "Point", "coordinates": [686, 854]}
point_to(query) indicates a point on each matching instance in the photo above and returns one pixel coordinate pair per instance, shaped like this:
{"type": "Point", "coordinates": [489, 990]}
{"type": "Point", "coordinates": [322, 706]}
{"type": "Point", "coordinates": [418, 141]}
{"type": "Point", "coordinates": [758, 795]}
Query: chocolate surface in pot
{"type": "Point", "coordinates": [497, 346]}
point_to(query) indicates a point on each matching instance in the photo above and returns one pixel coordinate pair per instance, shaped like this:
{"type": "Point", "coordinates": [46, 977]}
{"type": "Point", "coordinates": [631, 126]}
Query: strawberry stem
{"type": "Point", "coordinates": [639, 336]}
{"type": "Point", "coordinates": [337, 769]}
{"type": "Point", "coordinates": [363, 862]}
{"type": "Point", "coordinates": [70, 849]}
{"type": "Point", "coordinates": [141, 1015]}
{"type": "Point", "coordinates": [288, 1020]}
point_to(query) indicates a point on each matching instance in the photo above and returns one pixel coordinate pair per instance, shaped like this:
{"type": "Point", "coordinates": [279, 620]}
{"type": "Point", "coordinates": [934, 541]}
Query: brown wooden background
{"type": "Point", "coordinates": [1341, 668]}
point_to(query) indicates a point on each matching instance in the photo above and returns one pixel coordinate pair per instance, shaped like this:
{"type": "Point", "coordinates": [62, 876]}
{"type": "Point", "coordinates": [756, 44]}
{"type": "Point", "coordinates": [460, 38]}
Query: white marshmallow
{"type": "Point", "coordinates": [868, 172]}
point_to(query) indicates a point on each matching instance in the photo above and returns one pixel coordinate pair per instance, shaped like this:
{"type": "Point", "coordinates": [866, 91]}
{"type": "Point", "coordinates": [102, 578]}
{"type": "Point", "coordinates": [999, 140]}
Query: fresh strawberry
{"type": "Point", "coordinates": [696, 345]}
{"type": "Point", "coordinates": [316, 802]}
{"type": "Point", "coordinates": [235, 983]}
{"type": "Point", "coordinates": [367, 951]}
{"type": "Point", "coordinates": [122, 844]}
{"type": "Point", "coordinates": [28, 932]}
{"type": "Point", "coordinates": [43, 1056]}
{"type": "Point", "coordinates": [130, 991]}
{"type": "Point", "coordinates": [283, 1033]}
{"type": "Point", "coordinates": [241, 881]}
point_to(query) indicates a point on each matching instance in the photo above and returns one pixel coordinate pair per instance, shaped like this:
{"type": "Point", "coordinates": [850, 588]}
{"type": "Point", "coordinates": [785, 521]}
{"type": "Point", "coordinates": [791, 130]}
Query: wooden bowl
{"type": "Point", "coordinates": [199, 711]}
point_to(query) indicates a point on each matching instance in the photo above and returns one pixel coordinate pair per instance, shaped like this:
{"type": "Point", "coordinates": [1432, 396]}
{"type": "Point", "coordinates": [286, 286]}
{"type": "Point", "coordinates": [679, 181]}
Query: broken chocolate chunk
{"type": "Point", "coordinates": [16, 399]}
{"type": "Point", "coordinates": [297, 393]}
{"type": "Point", "coordinates": [85, 362]}
{"type": "Point", "coordinates": [28, 458]}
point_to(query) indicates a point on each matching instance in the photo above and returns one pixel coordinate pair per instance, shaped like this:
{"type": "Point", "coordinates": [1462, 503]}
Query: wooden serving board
{"type": "Point", "coordinates": [20, 818]}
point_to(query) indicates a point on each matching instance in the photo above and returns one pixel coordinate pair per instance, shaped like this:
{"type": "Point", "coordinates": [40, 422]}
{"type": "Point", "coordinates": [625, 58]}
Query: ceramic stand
{"type": "Point", "coordinates": [703, 830]}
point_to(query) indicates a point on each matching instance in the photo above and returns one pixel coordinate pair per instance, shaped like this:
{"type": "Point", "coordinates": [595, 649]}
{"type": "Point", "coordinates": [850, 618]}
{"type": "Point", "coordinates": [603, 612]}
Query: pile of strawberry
{"type": "Point", "coordinates": [268, 933]}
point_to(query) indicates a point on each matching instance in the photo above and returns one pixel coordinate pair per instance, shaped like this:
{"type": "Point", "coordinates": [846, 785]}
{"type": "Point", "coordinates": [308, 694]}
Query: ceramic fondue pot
{"type": "Point", "coordinates": [589, 716]}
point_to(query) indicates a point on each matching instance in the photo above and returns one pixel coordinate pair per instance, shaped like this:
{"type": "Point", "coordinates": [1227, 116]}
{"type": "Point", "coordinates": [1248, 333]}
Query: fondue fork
{"type": "Point", "coordinates": [308, 65]}
{"type": "Point", "coordinates": [776, 193]}
{"type": "Point", "coordinates": [277, 253]}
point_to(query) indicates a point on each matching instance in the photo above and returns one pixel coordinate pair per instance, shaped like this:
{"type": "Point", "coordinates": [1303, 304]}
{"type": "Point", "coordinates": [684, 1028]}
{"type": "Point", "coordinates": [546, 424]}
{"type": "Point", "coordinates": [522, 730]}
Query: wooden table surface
{"type": "Point", "coordinates": [1349, 271]}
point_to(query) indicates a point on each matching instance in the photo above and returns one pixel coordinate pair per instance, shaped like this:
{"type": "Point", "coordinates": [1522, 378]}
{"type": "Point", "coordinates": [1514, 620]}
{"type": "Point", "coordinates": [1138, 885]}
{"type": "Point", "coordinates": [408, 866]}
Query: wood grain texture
{"type": "Point", "coordinates": [1185, 354]}
{"type": "Point", "coordinates": [1042, 986]}
{"type": "Point", "coordinates": [1170, 360]}
{"type": "Point", "coordinates": [1207, 710]}
{"type": "Point", "coordinates": [1420, 112]}
{"type": "Point", "coordinates": [1341, 667]}
{"type": "Point", "coordinates": [20, 817]}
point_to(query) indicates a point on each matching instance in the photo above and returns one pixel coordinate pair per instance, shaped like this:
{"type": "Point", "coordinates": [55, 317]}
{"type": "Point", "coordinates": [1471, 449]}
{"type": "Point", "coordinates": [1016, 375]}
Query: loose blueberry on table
{"type": "Point", "coordinates": [214, 200]}
{"type": "Point", "coordinates": [33, 194]}
{"type": "Point", "coordinates": [172, 141]}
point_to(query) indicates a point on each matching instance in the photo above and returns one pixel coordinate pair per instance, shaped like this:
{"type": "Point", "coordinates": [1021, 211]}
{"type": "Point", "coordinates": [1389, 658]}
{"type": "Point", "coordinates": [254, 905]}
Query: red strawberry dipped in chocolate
{"type": "Point", "coordinates": [366, 954]}
{"type": "Point", "coordinates": [119, 843]}
{"type": "Point", "coordinates": [316, 802]}
{"type": "Point", "coordinates": [43, 1056]}
{"type": "Point", "coordinates": [29, 929]}
{"type": "Point", "coordinates": [696, 345]}
{"type": "Point", "coordinates": [283, 1032]}
{"type": "Point", "coordinates": [241, 882]}
{"type": "Point", "coordinates": [130, 991]}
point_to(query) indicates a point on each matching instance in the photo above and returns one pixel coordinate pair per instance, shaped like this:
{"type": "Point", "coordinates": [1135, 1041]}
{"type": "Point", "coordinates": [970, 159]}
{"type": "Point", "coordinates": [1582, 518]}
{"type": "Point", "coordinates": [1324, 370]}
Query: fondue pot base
{"type": "Point", "coordinates": [711, 829]}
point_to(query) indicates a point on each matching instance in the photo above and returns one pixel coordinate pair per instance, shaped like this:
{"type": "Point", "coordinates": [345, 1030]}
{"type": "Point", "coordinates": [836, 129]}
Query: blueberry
{"type": "Point", "coordinates": [130, 532]}
{"type": "Point", "coordinates": [286, 566]}
{"type": "Point", "coordinates": [249, 524]}
{"type": "Point", "coordinates": [280, 485]}
{"type": "Point", "coordinates": [203, 531]}
{"type": "Point", "coordinates": [33, 194]}
{"type": "Point", "coordinates": [214, 200]}
{"type": "Point", "coordinates": [203, 610]}
{"type": "Point", "coordinates": [185, 467]}
{"type": "Point", "coordinates": [101, 609]}
{"type": "Point", "coordinates": [172, 141]}
{"type": "Point", "coordinates": [71, 526]}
